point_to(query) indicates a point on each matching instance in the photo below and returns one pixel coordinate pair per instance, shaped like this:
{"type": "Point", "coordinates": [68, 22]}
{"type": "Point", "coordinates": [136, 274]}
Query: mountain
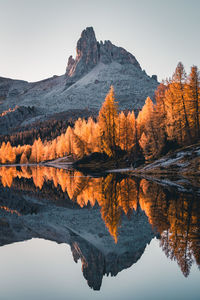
{"type": "Point", "coordinates": [86, 82]}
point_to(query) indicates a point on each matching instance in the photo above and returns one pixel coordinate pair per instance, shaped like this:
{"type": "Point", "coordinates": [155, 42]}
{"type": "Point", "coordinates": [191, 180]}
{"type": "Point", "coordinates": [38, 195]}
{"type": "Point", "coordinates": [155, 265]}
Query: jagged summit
{"type": "Point", "coordinates": [86, 54]}
{"type": "Point", "coordinates": [87, 80]}
{"type": "Point", "coordinates": [89, 52]}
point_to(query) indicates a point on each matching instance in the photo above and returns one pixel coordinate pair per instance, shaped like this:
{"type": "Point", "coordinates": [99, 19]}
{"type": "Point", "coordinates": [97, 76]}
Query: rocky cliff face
{"type": "Point", "coordinates": [109, 53]}
{"type": "Point", "coordinates": [86, 55]}
{"type": "Point", "coordinates": [89, 53]}
{"type": "Point", "coordinates": [86, 82]}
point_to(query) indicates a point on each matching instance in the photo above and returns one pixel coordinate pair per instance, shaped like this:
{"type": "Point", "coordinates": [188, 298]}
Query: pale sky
{"type": "Point", "coordinates": [38, 36]}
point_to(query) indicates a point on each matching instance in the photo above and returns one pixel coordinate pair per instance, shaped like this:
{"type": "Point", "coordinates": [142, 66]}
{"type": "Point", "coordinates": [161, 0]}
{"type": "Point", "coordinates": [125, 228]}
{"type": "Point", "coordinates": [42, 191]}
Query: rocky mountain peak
{"type": "Point", "coordinates": [84, 86]}
{"type": "Point", "coordinates": [86, 54]}
{"type": "Point", "coordinates": [87, 38]}
{"type": "Point", "coordinates": [110, 52]}
{"type": "Point", "coordinates": [89, 52]}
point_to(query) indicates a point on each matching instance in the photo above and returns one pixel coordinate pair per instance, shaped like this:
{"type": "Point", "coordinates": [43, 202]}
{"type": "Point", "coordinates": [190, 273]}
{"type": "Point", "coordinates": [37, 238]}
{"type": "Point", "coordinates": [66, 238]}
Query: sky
{"type": "Point", "coordinates": [37, 37]}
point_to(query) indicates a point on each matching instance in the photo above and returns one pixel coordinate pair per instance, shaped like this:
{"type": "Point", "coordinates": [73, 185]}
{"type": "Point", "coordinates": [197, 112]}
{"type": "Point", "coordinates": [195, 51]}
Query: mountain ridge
{"type": "Point", "coordinates": [88, 77]}
{"type": "Point", "coordinates": [89, 52]}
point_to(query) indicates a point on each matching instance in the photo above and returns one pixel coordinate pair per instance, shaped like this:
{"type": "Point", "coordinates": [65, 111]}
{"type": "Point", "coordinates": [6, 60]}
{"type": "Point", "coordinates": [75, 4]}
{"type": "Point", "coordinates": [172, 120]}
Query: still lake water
{"type": "Point", "coordinates": [64, 235]}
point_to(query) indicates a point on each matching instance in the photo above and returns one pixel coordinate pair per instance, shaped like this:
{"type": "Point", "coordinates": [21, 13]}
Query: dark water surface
{"type": "Point", "coordinates": [64, 235]}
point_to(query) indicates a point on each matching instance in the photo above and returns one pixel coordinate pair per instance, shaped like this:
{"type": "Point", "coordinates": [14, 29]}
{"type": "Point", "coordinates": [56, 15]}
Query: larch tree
{"type": "Point", "coordinates": [132, 130]}
{"type": "Point", "coordinates": [2, 153]}
{"type": "Point", "coordinates": [19, 150]}
{"type": "Point", "coordinates": [10, 153]}
{"type": "Point", "coordinates": [177, 88]}
{"type": "Point", "coordinates": [23, 159]}
{"type": "Point", "coordinates": [160, 108]}
{"type": "Point", "coordinates": [122, 129]}
{"type": "Point", "coordinates": [34, 154]}
{"type": "Point", "coordinates": [61, 147]}
{"type": "Point", "coordinates": [147, 124]}
{"type": "Point", "coordinates": [126, 130]}
{"type": "Point", "coordinates": [37, 151]}
{"type": "Point", "coordinates": [193, 96]}
{"type": "Point", "coordinates": [78, 145]}
{"type": "Point", "coordinates": [144, 144]}
{"type": "Point", "coordinates": [160, 98]}
{"type": "Point", "coordinates": [108, 117]}
{"type": "Point", "coordinates": [160, 116]}
{"type": "Point", "coordinates": [80, 138]}
{"type": "Point", "coordinates": [144, 115]}
{"type": "Point", "coordinates": [93, 136]}
{"type": "Point", "coordinates": [52, 153]}
{"type": "Point", "coordinates": [69, 140]}
{"type": "Point", "coordinates": [173, 122]}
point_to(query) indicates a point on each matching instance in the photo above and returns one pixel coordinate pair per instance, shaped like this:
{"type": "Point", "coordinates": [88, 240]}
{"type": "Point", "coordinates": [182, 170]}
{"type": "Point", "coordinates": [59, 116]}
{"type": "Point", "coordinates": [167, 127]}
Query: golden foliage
{"type": "Point", "coordinates": [174, 216]}
{"type": "Point", "coordinates": [175, 117]}
{"type": "Point", "coordinates": [108, 118]}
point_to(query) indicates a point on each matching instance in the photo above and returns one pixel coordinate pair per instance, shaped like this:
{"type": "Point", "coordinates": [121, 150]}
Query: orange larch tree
{"type": "Point", "coordinates": [108, 118]}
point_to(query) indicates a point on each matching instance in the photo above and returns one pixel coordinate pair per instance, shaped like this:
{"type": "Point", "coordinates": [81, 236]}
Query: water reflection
{"type": "Point", "coordinates": [134, 210]}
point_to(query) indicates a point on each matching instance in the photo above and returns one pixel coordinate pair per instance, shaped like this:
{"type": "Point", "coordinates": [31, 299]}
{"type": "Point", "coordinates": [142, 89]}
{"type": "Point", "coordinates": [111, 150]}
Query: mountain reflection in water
{"type": "Point", "coordinates": [66, 206]}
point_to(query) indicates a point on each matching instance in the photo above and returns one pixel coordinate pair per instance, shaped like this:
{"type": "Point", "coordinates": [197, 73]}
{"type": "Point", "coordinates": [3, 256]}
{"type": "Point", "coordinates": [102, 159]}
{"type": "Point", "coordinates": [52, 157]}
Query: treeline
{"type": "Point", "coordinates": [173, 121]}
{"type": "Point", "coordinates": [46, 130]}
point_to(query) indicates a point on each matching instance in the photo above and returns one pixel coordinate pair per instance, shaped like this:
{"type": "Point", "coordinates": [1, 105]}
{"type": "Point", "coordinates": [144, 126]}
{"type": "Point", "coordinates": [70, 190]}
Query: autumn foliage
{"type": "Point", "coordinates": [174, 216]}
{"type": "Point", "coordinates": [172, 121]}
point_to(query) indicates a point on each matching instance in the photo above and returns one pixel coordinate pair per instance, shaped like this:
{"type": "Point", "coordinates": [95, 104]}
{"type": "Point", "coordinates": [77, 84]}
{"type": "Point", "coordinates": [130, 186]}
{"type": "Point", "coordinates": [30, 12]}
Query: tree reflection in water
{"type": "Point", "coordinates": [174, 216]}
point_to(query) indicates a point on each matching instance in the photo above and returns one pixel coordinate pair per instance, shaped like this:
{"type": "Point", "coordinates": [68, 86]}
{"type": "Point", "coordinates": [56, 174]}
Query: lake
{"type": "Point", "coordinates": [66, 235]}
